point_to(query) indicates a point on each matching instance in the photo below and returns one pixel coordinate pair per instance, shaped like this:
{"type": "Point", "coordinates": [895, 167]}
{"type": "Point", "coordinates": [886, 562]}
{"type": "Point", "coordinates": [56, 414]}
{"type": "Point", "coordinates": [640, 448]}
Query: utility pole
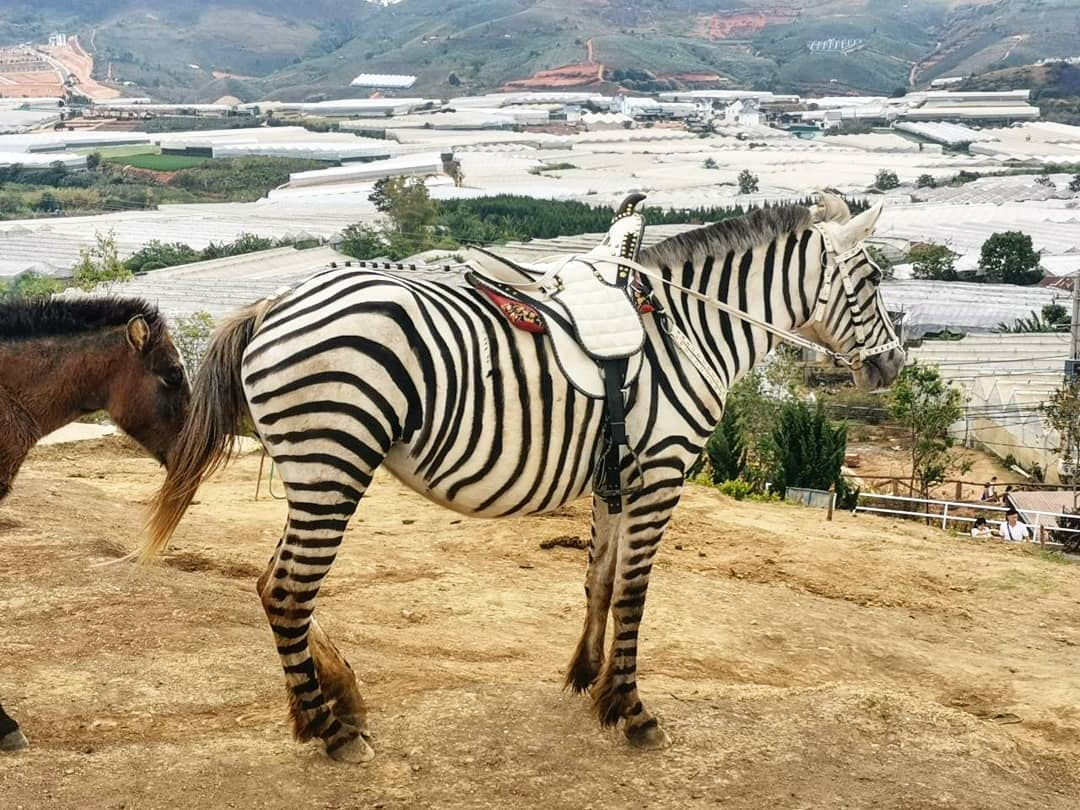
{"type": "Point", "coordinates": [1072, 364]}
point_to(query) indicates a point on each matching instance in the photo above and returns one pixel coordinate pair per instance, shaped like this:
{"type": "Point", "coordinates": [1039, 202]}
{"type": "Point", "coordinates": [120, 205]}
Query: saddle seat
{"type": "Point", "coordinates": [590, 310]}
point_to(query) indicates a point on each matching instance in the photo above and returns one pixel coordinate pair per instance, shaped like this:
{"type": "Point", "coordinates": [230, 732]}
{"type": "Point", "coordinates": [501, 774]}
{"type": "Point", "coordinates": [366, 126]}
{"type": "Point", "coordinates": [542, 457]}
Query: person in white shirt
{"type": "Point", "coordinates": [980, 529]}
{"type": "Point", "coordinates": [1012, 529]}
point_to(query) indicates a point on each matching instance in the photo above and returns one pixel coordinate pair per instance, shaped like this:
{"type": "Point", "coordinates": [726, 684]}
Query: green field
{"type": "Point", "coordinates": [158, 163]}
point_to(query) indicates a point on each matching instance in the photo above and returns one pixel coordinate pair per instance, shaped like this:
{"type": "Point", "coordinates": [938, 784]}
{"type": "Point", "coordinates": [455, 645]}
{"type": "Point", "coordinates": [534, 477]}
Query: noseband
{"type": "Point", "coordinates": [836, 263]}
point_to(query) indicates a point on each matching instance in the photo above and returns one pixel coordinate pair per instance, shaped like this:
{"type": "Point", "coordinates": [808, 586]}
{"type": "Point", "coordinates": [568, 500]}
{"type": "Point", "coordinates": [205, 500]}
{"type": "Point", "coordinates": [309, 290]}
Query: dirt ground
{"type": "Point", "coordinates": [796, 664]}
{"type": "Point", "coordinates": [885, 453]}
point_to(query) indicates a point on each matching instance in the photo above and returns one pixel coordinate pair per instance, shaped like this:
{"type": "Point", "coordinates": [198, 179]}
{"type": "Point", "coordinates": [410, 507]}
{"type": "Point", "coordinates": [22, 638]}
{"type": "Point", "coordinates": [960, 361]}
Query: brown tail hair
{"type": "Point", "coordinates": [208, 438]}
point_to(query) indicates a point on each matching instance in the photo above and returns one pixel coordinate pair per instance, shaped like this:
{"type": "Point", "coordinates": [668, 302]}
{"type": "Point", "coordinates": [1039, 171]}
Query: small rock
{"type": "Point", "coordinates": [408, 521]}
{"type": "Point", "coordinates": [701, 553]}
{"type": "Point", "coordinates": [678, 546]}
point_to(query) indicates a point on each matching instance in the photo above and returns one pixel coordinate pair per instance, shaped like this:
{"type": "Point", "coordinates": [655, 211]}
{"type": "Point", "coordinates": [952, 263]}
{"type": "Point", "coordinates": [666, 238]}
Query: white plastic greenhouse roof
{"type": "Point", "coordinates": [946, 133]}
{"type": "Point", "coordinates": [934, 306]}
{"type": "Point", "coordinates": [398, 80]}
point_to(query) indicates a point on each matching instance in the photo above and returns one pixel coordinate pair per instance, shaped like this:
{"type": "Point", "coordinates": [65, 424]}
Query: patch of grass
{"type": "Point", "coordinates": [158, 163]}
{"type": "Point", "coordinates": [1014, 579]}
{"type": "Point", "coordinates": [1055, 557]}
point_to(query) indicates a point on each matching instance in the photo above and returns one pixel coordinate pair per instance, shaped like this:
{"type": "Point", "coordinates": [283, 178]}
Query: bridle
{"type": "Point", "coordinates": [837, 263]}
{"type": "Point", "coordinates": [834, 264]}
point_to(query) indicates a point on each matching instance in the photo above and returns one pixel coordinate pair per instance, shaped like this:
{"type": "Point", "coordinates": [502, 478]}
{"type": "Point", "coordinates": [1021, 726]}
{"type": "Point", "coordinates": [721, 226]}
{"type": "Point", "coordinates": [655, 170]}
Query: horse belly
{"type": "Point", "coordinates": [523, 480]}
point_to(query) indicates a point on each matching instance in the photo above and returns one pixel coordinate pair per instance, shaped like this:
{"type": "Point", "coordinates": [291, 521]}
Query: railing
{"type": "Point", "coordinates": [946, 511]}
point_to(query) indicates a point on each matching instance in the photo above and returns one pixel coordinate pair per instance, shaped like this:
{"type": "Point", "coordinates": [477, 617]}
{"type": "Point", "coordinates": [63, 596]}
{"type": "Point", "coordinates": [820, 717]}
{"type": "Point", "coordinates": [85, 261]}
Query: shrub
{"type": "Point", "coordinates": [748, 182]}
{"type": "Point", "coordinates": [737, 489]}
{"type": "Point", "coordinates": [935, 262]}
{"type": "Point", "coordinates": [726, 449]}
{"type": "Point", "coordinates": [191, 334]}
{"type": "Point", "coordinates": [29, 286]}
{"type": "Point", "coordinates": [1074, 184]}
{"type": "Point", "coordinates": [710, 164]}
{"type": "Point", "coordinates": [886, 180]}
{"type": "Point", "coordinates": [926, 181]}
{"type": "Point", "coordinates": [810, 449]}
{"type": "Point", "coordinates": [99, 266]}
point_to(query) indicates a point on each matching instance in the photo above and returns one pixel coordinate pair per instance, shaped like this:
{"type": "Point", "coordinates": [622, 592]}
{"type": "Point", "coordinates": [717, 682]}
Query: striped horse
{"type": "Point", "coordinates": [357, 368]}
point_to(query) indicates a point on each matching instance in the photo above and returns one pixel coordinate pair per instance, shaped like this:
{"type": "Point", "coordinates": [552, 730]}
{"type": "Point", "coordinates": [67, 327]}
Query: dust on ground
{"type": "Point", "coordinates": [796, 664]}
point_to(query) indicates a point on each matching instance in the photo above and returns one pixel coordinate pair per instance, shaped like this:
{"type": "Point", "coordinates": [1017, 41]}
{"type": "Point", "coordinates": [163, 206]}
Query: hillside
{"type": "Point", "coordinates": [270, 48]}
{"type": "Point", "coordinates": [1054, 87]}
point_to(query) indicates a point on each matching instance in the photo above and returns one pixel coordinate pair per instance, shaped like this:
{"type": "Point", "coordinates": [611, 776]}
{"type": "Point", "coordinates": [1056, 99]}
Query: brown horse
{"type": "Point", "coordinates": [62, 359]}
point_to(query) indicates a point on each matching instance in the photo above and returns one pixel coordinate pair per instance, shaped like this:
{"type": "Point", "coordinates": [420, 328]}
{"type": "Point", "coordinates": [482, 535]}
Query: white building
{"type": "Point", "coordinates": [398, 81]}
{"type": "Point", "coordinates": [57, 40]}
{"type": "Point", "coordinates": [744, 112]}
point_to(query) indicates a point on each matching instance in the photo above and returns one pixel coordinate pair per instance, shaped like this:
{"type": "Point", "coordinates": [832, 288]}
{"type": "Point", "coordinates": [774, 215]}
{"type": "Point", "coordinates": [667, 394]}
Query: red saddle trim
{"type": "Point", "coordinates": [525, 317]}
{"type": "Point", "coordinates": [520, 315]}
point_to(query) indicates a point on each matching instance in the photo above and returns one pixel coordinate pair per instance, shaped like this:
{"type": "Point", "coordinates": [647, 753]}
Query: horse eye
{"type": "Point", "coordinates": [173, 378]}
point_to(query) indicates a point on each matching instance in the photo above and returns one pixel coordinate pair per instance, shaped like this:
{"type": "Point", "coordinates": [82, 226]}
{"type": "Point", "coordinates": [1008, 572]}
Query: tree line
{"type": "Point", "coordinates": [414, 222]}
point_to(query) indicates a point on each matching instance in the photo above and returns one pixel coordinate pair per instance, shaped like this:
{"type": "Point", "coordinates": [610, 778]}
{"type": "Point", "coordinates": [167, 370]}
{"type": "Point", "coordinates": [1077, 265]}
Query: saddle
{"type": "Point", "coordinates": [591, 312]}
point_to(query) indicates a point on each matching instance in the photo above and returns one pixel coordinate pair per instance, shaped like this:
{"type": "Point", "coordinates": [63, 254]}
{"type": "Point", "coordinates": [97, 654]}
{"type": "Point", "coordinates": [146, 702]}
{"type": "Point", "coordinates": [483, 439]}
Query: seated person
{"type": "Point", "coordinates": [980, 529]}
{"type": "Point", "coordinates": [1012, 530]}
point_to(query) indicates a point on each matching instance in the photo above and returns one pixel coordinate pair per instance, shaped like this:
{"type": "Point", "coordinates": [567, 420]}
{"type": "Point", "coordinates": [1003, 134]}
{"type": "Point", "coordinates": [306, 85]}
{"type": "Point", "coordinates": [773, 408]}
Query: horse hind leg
{"type": "Point", "coordinates": [338, 681]}
{"type": "Point", "coordinates": [324, 700]}
{"type": "Point", "coordinates": [11, 736]}
{"type": "Point", "coordinates": [589, 655]}
{"type": "Point", "coordinates": [615, 694]}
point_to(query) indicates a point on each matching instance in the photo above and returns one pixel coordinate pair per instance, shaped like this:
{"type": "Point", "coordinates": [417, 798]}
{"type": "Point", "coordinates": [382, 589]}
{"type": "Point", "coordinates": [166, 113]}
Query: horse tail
{"type": "Point", "coordinates": [208, 438]}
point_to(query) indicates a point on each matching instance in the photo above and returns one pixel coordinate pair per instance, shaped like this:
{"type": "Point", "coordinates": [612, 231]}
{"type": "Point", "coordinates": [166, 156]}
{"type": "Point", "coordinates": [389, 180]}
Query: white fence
{"type": "Point", "coordinates": [945, 512]}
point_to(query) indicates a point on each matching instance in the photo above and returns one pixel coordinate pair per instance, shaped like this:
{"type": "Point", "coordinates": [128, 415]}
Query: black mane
{"type": "Point", "coordinates": [760, 226]}
{"type": "Point", "coordinates": [53, 317]}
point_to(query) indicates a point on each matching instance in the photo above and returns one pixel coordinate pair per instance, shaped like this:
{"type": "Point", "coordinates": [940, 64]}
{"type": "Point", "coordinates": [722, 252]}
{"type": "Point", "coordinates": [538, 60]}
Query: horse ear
{"type": "Point", "coordinates": [138, 333]}
{"type": "Point", "coordinates": [831, 208]}
{"type": "Point", "coordinates": [862, 226]}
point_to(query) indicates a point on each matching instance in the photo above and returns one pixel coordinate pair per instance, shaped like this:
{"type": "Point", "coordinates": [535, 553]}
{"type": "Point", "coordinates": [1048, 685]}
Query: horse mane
{"type": "Point", "coordinates": [55, 317]}
{"type": "Point", "coordinates": [735, 235]}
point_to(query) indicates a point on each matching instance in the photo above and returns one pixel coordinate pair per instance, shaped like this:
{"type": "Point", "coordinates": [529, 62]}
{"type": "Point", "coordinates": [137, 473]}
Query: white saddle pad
{"type": "Point", "coordinates": [606, 322]}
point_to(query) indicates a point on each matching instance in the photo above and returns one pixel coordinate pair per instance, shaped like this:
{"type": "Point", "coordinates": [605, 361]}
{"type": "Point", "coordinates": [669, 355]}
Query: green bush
{"type": "Point", "coordinates": [191, 334]}
{"type": "Point", "coordinates": [886, 180]}
{"type": "Point", "coordinates": [748, 182]}
{"type": "Point", "coordinates": [725, 449]}
{"type": "Point", "coordinates": [935, 262]}
{"type": "Point", "coordinates": [737, 489]}
{"type": "Point", "coordinates": [810, 449]}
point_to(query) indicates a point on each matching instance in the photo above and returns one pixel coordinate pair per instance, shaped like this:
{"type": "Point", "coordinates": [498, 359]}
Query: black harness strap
{"type": "Point", "coordinates": [607, 481]}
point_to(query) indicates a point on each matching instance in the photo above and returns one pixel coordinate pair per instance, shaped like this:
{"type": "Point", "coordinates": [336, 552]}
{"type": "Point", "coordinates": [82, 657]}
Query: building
{"type": "Point", "coordinates": [396, 81]}
{"type": "Point", "coordinates": [744, 112]}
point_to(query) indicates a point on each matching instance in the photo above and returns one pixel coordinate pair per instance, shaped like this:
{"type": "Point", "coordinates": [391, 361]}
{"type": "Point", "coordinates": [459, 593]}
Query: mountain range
{"type": "Point", "coordinates": [204, 49]}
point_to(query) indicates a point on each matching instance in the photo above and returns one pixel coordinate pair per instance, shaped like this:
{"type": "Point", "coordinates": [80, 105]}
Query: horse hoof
{"type": "Point", "coordinates": [649, 737]}
{"type": "Point", "coordinates": [355, 751]}
{"type": "Point", "coordinates": [14, 741]}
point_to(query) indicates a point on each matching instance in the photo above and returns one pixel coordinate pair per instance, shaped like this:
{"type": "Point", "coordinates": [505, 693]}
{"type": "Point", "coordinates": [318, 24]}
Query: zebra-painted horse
{"type": "Point", "coordinates": [63, 358]}
{"type": "Point", "coordinates": [357, 368]}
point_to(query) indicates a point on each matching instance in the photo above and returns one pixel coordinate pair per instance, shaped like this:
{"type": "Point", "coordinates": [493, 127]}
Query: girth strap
{"type": "Point", "coordinates": [627, 227]}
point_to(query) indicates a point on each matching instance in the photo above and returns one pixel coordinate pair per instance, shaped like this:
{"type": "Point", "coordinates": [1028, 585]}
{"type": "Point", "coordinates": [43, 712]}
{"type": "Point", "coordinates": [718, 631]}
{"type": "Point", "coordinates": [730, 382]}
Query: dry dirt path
{"type": "Point", "coordinates": [861, 664]}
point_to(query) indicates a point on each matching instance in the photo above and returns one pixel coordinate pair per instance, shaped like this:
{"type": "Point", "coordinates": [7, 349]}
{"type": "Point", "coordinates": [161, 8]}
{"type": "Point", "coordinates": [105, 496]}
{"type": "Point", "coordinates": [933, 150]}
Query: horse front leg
{"type": "Point", "coordinates": [11, 737]}
{"type": "Point", "coordinates": [18, 433]}
{"type": "Point", "coordinates": [615, 693]}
